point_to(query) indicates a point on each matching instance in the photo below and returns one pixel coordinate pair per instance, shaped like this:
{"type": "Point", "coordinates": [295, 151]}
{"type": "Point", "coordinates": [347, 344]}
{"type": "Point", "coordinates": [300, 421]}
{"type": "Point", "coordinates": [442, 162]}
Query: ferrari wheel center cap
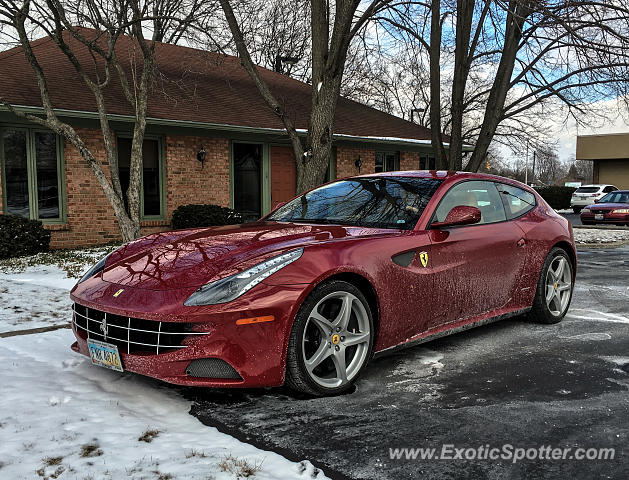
{"type": "Point", "coordinates": [555, 286]}
{"type": "Point", "coordinates": [336, 339]}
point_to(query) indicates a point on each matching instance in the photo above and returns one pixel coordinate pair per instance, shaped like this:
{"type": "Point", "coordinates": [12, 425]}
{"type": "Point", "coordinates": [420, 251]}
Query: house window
{"type": "Point", "coordinates": [426, 162]}
{"type": "Point", "coordinates": [387, 162]}
{"type": "Point", "coordinates": [33, 179]}
{"type": "Point", "coordinates": [152, 198]}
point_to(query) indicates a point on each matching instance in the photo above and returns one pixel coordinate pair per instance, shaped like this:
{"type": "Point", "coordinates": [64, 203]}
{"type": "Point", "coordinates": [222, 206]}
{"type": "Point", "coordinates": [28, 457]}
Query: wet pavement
{"type": "Point", "coordinates": [512, 382]}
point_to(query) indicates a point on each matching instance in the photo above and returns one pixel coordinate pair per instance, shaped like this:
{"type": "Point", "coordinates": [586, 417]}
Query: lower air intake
{"type": "Point", "coordinates": [212, 368]}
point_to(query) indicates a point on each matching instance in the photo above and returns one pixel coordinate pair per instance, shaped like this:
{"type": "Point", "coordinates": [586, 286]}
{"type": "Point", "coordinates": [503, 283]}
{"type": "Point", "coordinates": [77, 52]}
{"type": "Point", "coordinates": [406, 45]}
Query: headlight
{"type": "Point", "coordinates": [229, 288]}
{"type": "Point", "coordinates": [94, 270]}
{"type": "Point", "coordinates": [621, 210]}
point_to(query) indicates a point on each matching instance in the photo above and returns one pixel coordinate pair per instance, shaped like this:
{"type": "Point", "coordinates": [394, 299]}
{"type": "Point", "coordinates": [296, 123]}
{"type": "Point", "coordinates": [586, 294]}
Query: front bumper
{"type": "Point", "coordinates": [256, 351]}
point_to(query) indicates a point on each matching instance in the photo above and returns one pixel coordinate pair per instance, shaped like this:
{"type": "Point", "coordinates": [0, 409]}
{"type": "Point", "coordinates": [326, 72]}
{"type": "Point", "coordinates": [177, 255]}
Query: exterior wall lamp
{"type": "Point", "coordinates": [358, 163]}
{"type": "Point", "coordinates": [201, 156]}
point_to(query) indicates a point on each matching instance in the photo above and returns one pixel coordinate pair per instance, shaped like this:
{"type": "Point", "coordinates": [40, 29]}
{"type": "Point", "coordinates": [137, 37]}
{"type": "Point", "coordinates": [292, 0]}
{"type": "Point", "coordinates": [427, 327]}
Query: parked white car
{"type": "Point", "coordinates": [588, 194]}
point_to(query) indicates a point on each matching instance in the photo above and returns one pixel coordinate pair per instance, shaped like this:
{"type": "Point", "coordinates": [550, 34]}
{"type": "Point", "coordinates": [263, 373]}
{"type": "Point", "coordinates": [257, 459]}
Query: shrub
{"type": "Point", "coordinates": [557, 197]}
{"type": "Point", "coordinates": [20, 236]}
{"type": "Point", "coordinates": [195, 216]}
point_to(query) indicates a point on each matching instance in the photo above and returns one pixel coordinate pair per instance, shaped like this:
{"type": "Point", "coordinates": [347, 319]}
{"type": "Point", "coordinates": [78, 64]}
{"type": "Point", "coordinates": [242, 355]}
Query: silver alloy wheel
{"type": "Point", "coordinates": [558, 285]}
{"type": "Point", "coordinates": [336, 339]}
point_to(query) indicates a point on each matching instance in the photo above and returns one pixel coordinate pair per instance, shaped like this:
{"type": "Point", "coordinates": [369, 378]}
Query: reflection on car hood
{"type": "Point", "coordinates": [192, 257]}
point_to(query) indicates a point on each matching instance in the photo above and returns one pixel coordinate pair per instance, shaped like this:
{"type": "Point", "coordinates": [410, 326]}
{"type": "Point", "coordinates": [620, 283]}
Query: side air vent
{"type": "Point", "coordinates": [212, 368]}
{"type": "Point", "coordinates": [403, 259]}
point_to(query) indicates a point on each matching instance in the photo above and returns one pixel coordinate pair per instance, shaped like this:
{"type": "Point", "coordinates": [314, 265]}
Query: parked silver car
{"type": "Point", "coordinates": [588, 194]}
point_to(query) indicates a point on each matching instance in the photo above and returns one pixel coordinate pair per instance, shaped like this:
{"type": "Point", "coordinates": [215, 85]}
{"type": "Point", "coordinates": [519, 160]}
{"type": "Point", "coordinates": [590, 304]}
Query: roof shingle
{"type": "Point", "coordinates": [191, 85]}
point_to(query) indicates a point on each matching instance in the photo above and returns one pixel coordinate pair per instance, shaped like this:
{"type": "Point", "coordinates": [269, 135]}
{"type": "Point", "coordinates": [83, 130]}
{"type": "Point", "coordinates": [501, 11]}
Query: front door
{"type": "Point", "coordinates": [283, 175]}
{"type": "Point", "coordinates": [477, 267]}
{"type": "Point", "coordinates": [248, 180]}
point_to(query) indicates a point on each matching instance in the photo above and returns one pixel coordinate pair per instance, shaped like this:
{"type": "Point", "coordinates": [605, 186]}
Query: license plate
{"type": "Point", "coordinates": [598, 216]}
{"type": "Point", "coordinates": [105, 355]}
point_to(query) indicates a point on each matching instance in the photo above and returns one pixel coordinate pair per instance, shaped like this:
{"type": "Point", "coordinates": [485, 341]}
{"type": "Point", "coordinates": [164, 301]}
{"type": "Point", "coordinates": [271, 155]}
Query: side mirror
{"type": "Point", "coordinates": [459, 215]}
{"type": "Point", "coordinates": [278, 205]}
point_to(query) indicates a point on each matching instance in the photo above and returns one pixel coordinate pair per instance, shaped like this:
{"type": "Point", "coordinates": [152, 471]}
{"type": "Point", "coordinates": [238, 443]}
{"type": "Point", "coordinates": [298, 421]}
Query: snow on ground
{"type": "Point", "coordinates": [34, 298]}
{"type": "Point", "coordinates": [599, 235]}
{"type": "Point", "coordinates": [61, 417]}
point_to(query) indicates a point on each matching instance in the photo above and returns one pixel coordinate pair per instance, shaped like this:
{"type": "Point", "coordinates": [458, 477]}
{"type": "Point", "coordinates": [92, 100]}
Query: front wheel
{"type": "Point", "coordinates": [577, 209]}
{"type": "Point", "coordinates": [331, 340]}
{"type": "Point", "coordinates": [554, 288]}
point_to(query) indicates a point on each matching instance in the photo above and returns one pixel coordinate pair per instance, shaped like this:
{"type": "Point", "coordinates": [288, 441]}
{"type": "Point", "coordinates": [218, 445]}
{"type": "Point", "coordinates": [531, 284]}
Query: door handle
{"type": "Point", "coordinates": [521, 242]}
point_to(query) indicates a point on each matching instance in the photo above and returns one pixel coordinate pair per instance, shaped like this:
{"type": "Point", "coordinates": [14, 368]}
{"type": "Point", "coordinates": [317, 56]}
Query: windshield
{"type": "Point", "coordinates": [379, 202]}
{"type": "Point", "coordinates": [615, 197]}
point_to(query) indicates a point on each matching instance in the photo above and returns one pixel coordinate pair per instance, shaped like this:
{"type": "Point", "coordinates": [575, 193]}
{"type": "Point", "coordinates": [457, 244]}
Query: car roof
{"type": "Point", "coordinates": [436, 174]}
{"type": "Point", "coordinates": [598, 185]}
{"type": "Point", "coordinates": [449, 176]}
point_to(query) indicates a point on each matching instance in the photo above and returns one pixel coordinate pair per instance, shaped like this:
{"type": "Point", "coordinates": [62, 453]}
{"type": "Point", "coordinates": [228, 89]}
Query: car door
{"type": "Point", "coordinates": [475, 267]}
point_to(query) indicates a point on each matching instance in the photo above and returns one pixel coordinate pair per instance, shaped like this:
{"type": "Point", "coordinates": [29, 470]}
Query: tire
{"type": "Point", "coordinates": [577, 209]}
{"type": "Point", "coordinates": [319, 340]}
{"type": "Point", "coordinates": [556, 285]}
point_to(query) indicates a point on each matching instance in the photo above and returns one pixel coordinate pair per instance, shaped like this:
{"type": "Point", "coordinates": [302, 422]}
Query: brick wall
{"type": "Point", "coordinates": [346, 158]}
{"type": "Point", "coordinates": [90, 218]}
{"type": "Point", "coordinates": [409, 161]}
{"type": "Point", "coordinates": [186, 182]}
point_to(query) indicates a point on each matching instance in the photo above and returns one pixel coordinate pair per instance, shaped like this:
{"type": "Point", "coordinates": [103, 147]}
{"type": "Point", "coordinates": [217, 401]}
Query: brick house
{"type": "Point", "coordinates": [200, 100]}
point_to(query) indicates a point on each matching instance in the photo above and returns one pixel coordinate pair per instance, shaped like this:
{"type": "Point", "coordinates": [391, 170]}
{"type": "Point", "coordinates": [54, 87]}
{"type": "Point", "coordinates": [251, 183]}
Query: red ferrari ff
{"type": "Point", "coordinates": [306, 295]}
{"type": "Point", "coordinates": [612, 208]}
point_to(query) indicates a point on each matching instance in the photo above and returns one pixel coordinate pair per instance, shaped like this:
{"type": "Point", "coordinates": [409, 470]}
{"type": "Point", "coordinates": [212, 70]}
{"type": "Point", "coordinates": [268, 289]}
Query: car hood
{"type": "Point", "coordinates": [194, 257]}
{"type": "Point", "coordinates": [608, 206]}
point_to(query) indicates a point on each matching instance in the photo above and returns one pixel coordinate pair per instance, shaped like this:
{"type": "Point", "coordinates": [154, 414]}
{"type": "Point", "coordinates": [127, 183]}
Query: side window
{"type": "Point", "coordinates": [608, 189]}
{"type": "Point", "coordinates": [479, 194]}
{"type": "Point", "coordinates": [516, 200]}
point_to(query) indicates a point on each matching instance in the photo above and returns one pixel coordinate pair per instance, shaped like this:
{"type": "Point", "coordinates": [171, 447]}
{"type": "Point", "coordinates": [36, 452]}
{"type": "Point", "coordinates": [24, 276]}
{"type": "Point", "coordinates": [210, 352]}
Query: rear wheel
{"type": "Point", "coordinates": [331, 340]}
{"type": "Point", "coordinates": [554, 288]}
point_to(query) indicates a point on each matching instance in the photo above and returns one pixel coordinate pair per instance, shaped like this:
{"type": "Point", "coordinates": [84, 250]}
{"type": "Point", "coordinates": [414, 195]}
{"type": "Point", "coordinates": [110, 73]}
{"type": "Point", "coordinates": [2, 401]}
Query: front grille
{"type": "Point", "coordinates": [600, 211]}
{"type": "Point", "coordinates": [131, 335]}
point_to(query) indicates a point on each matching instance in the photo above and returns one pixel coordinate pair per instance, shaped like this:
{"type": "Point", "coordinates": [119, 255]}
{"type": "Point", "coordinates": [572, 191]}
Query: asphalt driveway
{"type": "Point", "coordinates": [513, 382]}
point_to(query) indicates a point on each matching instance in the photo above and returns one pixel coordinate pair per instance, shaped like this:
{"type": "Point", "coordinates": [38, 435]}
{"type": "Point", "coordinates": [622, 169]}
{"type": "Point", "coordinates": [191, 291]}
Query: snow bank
{"type": "Point", "coordinates": [62, 415]}
{"type": "Point", "coordinates": [36, 297]}
{"type": "Point", "coordinates": [600, 235]}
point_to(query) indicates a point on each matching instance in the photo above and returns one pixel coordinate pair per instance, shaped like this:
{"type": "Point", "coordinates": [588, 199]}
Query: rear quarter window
{"type": "Point", "coordinates": [517, 201]}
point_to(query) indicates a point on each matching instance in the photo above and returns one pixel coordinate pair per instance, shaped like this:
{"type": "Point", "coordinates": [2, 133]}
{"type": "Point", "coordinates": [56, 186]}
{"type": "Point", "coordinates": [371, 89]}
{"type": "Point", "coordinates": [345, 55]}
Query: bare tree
{"type": "Point", "coordinates": [332, 33]}
{"type": "Point", "coordinates": [512, 57]}
{"type": "Point", "coordinates": [548, 167]}
{"type": "Point", "coordinates": [161, 20]}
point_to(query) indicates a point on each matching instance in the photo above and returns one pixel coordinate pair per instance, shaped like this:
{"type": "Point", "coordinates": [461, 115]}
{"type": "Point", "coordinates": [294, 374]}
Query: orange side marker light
{"type": "Point", "coordinates": [249, 321]}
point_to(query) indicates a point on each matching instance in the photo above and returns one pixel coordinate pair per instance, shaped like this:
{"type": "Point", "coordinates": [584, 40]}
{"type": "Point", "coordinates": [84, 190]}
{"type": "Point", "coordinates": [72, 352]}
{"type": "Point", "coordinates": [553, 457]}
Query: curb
{"type": "Point", "coordinates": [31, 331]}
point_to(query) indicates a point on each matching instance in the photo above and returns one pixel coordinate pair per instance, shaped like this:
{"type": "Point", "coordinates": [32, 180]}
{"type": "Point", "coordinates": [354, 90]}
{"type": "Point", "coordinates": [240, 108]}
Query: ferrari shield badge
{"type": "Point", "coordinates": [423, 258]}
